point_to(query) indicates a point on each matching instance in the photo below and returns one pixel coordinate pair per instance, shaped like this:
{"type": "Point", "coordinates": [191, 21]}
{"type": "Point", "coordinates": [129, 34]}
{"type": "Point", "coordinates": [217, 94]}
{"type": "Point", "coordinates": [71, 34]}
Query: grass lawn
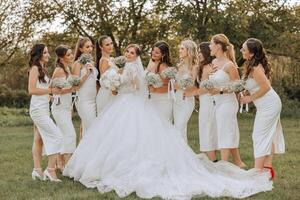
{"type": "Point", "coordinates": [16, 165]}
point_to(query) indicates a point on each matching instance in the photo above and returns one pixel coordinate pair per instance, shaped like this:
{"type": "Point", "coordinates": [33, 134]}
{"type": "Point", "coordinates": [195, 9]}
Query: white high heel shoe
{"type": "Point", "coordinates": [47, 175]}
{"type": "Point", "coordinates": [35, 175]}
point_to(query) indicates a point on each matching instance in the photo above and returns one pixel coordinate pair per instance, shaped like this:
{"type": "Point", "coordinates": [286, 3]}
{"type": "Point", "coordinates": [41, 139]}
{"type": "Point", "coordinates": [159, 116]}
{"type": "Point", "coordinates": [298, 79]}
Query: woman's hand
{"type": "Point", "coordinates": [56, 90]}
{"type": "Point", "coordinates": [151, 89]}
{"type": "Point", "coordinates": [114, 92]}
{"type": "Point", "coordinates": [75, 88]}
{"type": "Point", "coordinates": [245, 99]}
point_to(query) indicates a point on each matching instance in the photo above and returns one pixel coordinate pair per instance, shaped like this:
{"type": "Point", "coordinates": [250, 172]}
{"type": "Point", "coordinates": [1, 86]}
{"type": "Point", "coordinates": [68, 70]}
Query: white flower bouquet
{"type": "Point", "coordinates": [111, 80]}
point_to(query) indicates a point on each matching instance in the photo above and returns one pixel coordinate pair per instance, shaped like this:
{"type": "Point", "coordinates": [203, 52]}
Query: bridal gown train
{"type": "Point", "coordinates": [131, 148]}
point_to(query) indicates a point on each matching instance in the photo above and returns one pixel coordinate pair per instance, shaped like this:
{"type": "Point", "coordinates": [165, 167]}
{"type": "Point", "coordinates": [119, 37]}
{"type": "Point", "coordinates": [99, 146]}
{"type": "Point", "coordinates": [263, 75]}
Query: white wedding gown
{"type": "Point", "coordinates": [131, 148]}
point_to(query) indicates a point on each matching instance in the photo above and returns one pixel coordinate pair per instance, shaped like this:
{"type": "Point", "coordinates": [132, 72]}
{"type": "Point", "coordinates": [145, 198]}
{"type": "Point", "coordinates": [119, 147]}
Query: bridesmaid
{"type": "Point", "coordinates": [160, 60]}
{"type": "Point", "coordinates": [207, 130]}
{"type": "Point", "coordinates": [267, 131]}
{"type": "Point", "coordinates": [226, 105]}
{"type": "Point", "coordinates": [38, 88]}
{"type": "Point", "coordinates": [86, 103]}
{"type": "Point", "coordinates": [183, 106]}
{"type": "Point", "coordinates": [62, 113]}
{"type": "Point", "coordinates": [104, 49]}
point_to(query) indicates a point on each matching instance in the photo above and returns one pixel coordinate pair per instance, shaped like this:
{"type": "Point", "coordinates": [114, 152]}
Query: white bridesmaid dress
{"type": "Point", "coordinates": [86, 102]}
{"type": "Point", "coordinates": [182, 111]}
{"type": "Point", "coordinates": [226, 108]}
{"type": "Point", "coordinates": [131, 148]}
{"type": "Point", "coordinates": [62, 114]}
{"type": "Point", "coordinates": [207, 128]}
{"type": "Point", "coordinates": [40, 114]}
{"type": "Point", "coordinates": [104, 96]}
{"type": "Point", "coordinates": [267, 130]}
{"type": "Point", "coordinates": [163, 104]}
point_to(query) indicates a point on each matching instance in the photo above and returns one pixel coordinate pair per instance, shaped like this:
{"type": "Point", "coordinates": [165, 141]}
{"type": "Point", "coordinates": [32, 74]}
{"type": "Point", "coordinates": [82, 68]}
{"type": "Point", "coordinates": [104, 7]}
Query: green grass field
{"type": "Point", "coordinates": [16, 164]}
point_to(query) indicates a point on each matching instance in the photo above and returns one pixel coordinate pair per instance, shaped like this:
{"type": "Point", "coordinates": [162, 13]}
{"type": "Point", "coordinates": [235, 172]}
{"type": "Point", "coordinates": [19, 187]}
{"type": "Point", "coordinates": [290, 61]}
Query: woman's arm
{"type": "Point", "coordinates": [263, 82]}
{"type": "Point", "coordinates": [76, 71]}
{"type": "Point", "coordinates": [33, 78]}
{"type": "Point", "coordinates": [164, 87]}
{"type": "Point", "coordinates": [233, 73]}
{"type": "Point", "coordinates": [60, 73]}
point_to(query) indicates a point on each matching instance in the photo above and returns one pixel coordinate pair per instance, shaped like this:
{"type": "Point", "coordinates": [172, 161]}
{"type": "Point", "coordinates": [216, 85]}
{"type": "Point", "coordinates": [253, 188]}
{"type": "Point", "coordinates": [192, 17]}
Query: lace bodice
{"type": "Point", "coordinates": [129, 82]}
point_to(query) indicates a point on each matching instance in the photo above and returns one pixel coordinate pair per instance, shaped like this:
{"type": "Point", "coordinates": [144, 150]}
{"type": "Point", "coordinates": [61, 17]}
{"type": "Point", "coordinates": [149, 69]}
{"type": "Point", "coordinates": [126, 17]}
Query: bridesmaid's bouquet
{"type": "Point", "coordinates": [184, 82]}
{"type": "Point", "coordinates": [85, 58]}
{"type": "Point", "coordinates": [111, 80]}
{"type": "Point", "coordinates": [58, 83]}
{"type": "Point", "coordinates": [120, 61]}
{"type": "Point", "coordinates": [207, 84]}
{"type": "Point", "coordinates": [169, 73]}
{"type": "Point", "coordinates": [74, 81]}
{"type": "Point", "coordinates": [154, 80]}
{"type": "Point", "coordinates": [237, 86]}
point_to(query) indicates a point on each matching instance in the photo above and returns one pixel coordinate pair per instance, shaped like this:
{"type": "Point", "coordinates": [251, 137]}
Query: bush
{"type": "Point", "coordinates": [13, 98]}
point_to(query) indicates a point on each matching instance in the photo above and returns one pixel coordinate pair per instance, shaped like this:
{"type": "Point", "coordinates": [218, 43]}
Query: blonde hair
{"type": "Point", "coordinates": [192, 57]}
{"type": "Point", "coordinates": [80, 43]}
{"type": "Point", "coordinates": [227, 47]}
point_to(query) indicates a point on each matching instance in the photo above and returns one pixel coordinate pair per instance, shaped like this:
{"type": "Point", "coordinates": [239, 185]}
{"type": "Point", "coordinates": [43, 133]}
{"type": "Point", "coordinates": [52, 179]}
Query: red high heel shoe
{"type": "Point", "coordinates": [271, 171]}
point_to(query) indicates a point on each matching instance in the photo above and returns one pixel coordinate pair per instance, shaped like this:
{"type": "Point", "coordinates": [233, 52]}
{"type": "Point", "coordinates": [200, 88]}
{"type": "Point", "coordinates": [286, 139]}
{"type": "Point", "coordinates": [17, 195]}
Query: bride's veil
{"type": "Point", "coordinates": [141, 77]}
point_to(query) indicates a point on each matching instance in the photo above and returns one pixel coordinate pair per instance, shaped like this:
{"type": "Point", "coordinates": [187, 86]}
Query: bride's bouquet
{"type": "Point", "coordinates": [111, 80]}
{"type": "Point", "coordinates": [74, 81]}
{"type": "Point", "coordinates": [207, 84]}
{"type": "Point", "coordinates": [154, 80]}
{"type": "Point", "coordinates": [169, 72]}
{"type": "Point", "coordinates": [58, 83]}
{"type": "Point", "coordinates": [120, 61]}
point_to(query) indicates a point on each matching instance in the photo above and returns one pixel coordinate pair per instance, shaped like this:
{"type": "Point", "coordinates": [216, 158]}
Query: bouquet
{"type": "Point", "coordinates": [207, 84]}
{"type": "Point", "coordinates": [74, 81]}
{"type": "Point", "coordinates": [169, 73]}
{"type": "Point", "coordinates": [85, 58]}
{"type": "Point", "coordinates": [111, 79]}
{"type": "Point", "coordinates": [58, 83]}
{"type": "Point", "coordinates": [237, 86]}
{"type": "Point", "coordinates": [120, 61]}
{"type": "Point", "coordinates": [184, 82]}
{"type": "Point", "coordinates": [154, 80]}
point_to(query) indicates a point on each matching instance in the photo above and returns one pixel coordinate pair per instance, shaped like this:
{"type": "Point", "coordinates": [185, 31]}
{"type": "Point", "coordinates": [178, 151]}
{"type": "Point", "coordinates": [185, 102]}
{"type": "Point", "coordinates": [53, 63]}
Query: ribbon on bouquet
{"type": "Point", "coordinates": [171, 90]}
{"type": "Point", "coordinates": [75, 96]}
{"type": "Point", "coordinates": [242, 105]}
{"type": "Point", "coordinates": [56, 99]}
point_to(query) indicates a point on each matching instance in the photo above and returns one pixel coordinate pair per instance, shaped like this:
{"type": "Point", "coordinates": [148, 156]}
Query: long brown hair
{"type": "Point", "coordinates": [80, 43]}
{"type": "Point", "coordinates": [36, 54]}
{"type": "Point", "coordinates": [255, 47]}
{"type": "Point", "coordinates": [204, 49]}
{"type": "Point", "coordinates": [227, 47]}
{"type": "Point", "coordinates": [165, 51]}
{"type": "Point", "coordinates": [99, 43]}
{"type": "Point", "coordinates": [60, 52]}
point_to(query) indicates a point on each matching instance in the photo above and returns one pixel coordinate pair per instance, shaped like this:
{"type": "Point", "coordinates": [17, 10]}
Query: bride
{"type": "Point", "coordinates": [130, 148]}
